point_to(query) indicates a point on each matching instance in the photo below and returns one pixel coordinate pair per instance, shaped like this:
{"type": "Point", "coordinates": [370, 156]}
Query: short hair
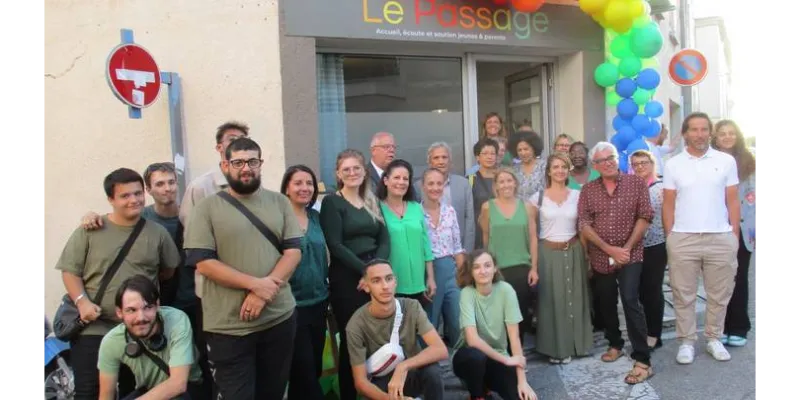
{"type": "Point", "coordinates": [383, 191]}
{"type": "Point", "coordinates": [119, 177]}
{"type": "Point", "coordinates": [439, 145]}
{"type": "Point", "coordinates": [484, 142]}
{"type": "Point", "coordinates": [601, 146]}
{"type": "Point", "coordinates": [242, 144]}
{"type": "Point", "coordinates": [379, 135]}
{"type": "Point", "coordinates": [465, 278]}
{"type": "Point", "coordinates": [289, 174]}
{"type": "Point", "coordinates": [232, 125]}
{"type": "Point", "coordinates": [139, 284]}
{"type": "Point", "coordinates": [563, 136]}
{"type": "Point", "coordinates": [581, 144]}
{"type": "Point", "coordinates": [429, 171]}
{"type": "Point", "coordinates": [696, 114]}
{"type": "Point", "coordinates": [374, 262]}
{"type": "Point", "coordinates": [166, 167]}
{"type": "Point", "coordinates": [531, 138]}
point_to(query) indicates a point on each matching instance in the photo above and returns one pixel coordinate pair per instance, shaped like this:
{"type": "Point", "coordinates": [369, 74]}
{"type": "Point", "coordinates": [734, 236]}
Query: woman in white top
{"type": "Point", "coordinates": [564, 328]}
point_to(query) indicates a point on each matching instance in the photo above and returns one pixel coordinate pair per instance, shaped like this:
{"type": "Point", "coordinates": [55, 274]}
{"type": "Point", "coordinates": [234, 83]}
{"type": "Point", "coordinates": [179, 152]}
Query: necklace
{"type": "Point", "coordinates": [401, 212]}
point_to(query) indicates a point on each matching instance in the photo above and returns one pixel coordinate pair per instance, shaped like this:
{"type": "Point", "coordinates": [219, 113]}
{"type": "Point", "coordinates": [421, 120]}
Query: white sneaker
{"type": "Point", "coordinates": [685, 354]}
{"type": "Point", "coordinates": [717, 350]}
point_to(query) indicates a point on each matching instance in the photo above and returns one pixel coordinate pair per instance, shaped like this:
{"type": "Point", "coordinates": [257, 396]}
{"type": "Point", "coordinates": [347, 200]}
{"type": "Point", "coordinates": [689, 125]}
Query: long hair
{"type": "Point", "coordinates": [383, 191]}
{"type": "Point", "coordinates": [465, 277]}
{"type": "Point", "coordinates": [289, 174]}
{"type": "Point", "coordinates": [502, 132]}
{"type": "Point", "coordinates": [370, 201]}
{"type": "Point", "coordinates": [509, 171]}
{"type": "Point", "coordinates": [745, 161]}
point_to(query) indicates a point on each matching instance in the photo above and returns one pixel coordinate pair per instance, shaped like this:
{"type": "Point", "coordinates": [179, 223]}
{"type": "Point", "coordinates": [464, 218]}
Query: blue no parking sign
{"type": "Point", "coordinates": [688, 67]}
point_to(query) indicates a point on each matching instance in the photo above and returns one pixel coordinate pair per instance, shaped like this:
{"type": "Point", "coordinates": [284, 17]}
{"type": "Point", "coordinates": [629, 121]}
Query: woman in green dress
{"type": "Point", "coordinates": [564, 328]}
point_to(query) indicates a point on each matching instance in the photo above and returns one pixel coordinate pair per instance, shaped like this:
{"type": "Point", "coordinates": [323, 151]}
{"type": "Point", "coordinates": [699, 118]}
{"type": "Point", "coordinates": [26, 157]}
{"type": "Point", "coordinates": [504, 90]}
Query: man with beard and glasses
{"type": "Point", "coordinates": [88, 255]}
{"type": "Point", "coordinates": [249, 314]}
{"type": "Point", "coordinates": [154, 342]}
{"type": "Point", "coordinates": [383, 342]}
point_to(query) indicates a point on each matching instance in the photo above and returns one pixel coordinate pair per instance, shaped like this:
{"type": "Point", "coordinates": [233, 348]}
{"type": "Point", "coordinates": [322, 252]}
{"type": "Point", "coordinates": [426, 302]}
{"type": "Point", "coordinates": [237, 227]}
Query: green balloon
{"type": "Point", "coordinates": [650, 63]}
{"type": "Point", "coordinates": [630, 66]}
{"type": "Point", "coordinates": [606, 74]}
{"type": "Point", "coordinates": [612, 98]}
{"type": "Point", "coordinates": [646, 41]}
{"type": "Point", "coordinates": [642, 96]}
{"type": "Point", "coordinates": [613, 60]}
{"type": "Point", "coordinates": [621, 46]}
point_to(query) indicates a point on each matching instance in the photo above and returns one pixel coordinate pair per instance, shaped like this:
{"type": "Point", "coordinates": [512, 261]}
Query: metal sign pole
{"type": "Point", "coordinates": [175, 100]}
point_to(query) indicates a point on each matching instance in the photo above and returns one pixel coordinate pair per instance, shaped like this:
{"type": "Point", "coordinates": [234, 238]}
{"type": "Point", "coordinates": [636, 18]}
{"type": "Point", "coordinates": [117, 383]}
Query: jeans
{"type": "Point", "coordinates": [253, 366]}
{"type": "Point", "coordinates": [480, 373]}
{"type": "Point", "coordinates": [627, 280]}
{"type": "Point", "coordinates": [425, 382]}
{"type": "Point", "coordinates": [446, 301]}
{"type": "Point", "coordinates": [651, 292]}
{"type": "Point", "coordinates": [84, 352]}
{"type": "Point", "coordinates": [309, 343]}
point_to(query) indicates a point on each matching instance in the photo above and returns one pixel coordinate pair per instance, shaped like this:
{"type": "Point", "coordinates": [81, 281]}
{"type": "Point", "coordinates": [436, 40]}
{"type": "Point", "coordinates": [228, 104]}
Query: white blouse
{"type": "Point", "coordinates": [559, 222]}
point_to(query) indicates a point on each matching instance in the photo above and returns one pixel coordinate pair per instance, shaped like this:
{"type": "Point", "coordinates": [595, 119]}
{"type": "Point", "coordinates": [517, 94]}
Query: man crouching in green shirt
{"type": "Point", "coordinates": [154, 342]}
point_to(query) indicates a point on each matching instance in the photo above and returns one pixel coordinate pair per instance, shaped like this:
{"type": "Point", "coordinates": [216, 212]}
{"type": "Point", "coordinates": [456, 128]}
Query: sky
{"type": "Point", "coordinates": [743, 24]}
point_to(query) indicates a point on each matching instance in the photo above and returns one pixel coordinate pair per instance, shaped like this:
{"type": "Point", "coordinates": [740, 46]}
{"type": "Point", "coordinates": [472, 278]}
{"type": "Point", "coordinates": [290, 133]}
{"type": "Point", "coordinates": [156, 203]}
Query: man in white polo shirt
{"type": "Point", "coordinates": [701, 220]}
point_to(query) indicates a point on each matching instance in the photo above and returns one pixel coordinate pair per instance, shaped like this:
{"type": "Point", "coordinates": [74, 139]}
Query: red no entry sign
{"type": "Point", "coordinates": [133, 75]}
{"type": "Point", "coordinates": [688, 67]}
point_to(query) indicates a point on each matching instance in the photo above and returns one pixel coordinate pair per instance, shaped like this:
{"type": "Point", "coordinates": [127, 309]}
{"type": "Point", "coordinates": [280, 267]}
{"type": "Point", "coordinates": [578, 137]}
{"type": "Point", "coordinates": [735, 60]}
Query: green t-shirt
{"type": "Point", "coordinates": [180, 351]}
{"type": "Point", "coordinates": [573, 184]}
{"type": "Point", "coordinates": [217, 226]}
{"type": "Point", "coordinates": [366, 334]}
{"type": "Point", "coordinates": [411, 247]}
{"type": "Point", "coordinates": [88, 254]}
{"type": "Point", "coordinates": [489, 314]}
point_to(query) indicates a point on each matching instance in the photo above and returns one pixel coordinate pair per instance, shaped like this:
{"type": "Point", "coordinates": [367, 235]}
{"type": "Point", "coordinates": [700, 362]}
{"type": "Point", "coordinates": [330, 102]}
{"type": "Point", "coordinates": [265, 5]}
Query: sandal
{"type": "Point", "coordinates": [639, 373]}
{"type": "Point", "coordinates": [611, 355]}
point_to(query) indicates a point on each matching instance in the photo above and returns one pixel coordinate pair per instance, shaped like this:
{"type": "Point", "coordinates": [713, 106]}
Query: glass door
{"type": "Point", "coordinates": [527, 94]}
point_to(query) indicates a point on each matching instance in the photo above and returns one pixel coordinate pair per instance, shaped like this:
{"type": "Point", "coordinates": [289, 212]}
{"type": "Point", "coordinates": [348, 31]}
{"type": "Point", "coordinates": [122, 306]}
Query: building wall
{"type": "Point", "coordinates": [226, 54]}
{"type": "Point", "coordinates": [712, 92]}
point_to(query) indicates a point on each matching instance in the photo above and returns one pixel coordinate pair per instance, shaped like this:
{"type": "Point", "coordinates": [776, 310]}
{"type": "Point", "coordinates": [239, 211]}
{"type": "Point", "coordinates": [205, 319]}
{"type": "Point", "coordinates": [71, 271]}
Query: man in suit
{"type": "Point", "coordinates": [457, 192]}
{"type": "Point", "coordinates": [382, 150]}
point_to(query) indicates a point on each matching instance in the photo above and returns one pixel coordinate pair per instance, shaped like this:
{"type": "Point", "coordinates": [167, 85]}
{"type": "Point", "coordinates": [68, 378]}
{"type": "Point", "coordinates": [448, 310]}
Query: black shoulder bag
{"type": "Point", "coordinates": [67, 323]}
{"type": "Point", "coordinates": [253, 219]}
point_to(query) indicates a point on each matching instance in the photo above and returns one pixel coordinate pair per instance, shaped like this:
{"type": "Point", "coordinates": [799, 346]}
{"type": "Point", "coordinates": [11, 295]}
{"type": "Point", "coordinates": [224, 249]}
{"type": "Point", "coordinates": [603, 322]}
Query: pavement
{"type": "Point", "coordinates": [590, 378]}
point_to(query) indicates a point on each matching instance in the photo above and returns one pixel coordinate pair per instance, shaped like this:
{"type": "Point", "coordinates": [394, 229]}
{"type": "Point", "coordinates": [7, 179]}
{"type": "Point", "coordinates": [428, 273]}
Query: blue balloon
{"type": "Point", "coordinates": [627, 108]}
{"type": "Point", "coordinates": [648, 79]}
{"type": "Point", "coordinates": [653, 109]}
{"type": "Point", "coordinates": [641, 124]}
{"type": "Point", "coordinates": [623, 161]}
{"type": "Point", "coordinates": [619, 122]}
{"type": "Point", "coordinates": [626, 87]}
{"type": "Point", "coordinates": [638, 144]}
{"type": "Point", "coordinates": [654, 129]}
{"type": "Point", "coordinates": [624, 137]}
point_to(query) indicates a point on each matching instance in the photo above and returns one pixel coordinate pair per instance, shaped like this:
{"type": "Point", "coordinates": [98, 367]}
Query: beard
{"type": "Point", "coordinates": [142, 330]}
{"type": "Point", "coordinates": [244, 188]}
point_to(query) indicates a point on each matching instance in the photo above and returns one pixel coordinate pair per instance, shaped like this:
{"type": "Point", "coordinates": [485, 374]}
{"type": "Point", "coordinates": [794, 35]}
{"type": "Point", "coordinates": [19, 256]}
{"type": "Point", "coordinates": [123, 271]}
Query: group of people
{"type": "Point", "coordinates": [396, 258]}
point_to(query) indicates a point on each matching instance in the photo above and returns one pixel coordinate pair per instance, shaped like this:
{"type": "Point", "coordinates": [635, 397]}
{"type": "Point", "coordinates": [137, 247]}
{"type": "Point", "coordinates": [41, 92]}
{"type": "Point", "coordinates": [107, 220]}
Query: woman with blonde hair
{"type": "Point", "coordinates": [509, 233]}
{"type": "Point", "coordinates": [355, 233]}
{"type": "Point", "coordinates": [562, 143]}
{"type": "Point", "coordinates": [728, 138]}
{"type": "Point", "coordinates": [564, 328]}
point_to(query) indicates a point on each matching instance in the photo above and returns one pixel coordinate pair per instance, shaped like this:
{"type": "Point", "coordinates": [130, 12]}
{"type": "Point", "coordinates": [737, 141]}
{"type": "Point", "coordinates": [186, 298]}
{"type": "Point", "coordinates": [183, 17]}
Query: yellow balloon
{"type": "Point", "coordinates": [593, 6]}
{"type": "Point", "coordinates": [636, 8]}
{"type": "Point", "coordinates": [616, 12]}
{"type": "Point", "coordinates": [601, 19]}
{"type": "Point", "coordinates": [621, 26]}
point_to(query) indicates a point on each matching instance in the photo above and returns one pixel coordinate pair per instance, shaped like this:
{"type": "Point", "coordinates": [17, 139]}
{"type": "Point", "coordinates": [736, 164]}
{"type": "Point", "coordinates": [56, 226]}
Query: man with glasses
{"type": "Point", "coordinates": [249, 314]}
{"type": "Point", "coordinates": [382, 150]}
{"type": "Point", "coordinates": [614, 213]}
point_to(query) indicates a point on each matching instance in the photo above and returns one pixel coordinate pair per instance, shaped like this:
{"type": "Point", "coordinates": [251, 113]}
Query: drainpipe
{"type": "Point", "coordinates": [686, 34]}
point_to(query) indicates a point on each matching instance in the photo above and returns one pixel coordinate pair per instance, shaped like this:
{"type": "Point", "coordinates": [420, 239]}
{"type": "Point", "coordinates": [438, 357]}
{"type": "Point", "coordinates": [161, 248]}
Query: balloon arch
{"type": "Point", "coordinates": [629, 72]}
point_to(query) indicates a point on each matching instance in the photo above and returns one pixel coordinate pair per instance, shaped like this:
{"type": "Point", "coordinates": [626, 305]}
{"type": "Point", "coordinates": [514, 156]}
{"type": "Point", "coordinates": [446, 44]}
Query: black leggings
{"type": "Point", "coordinates": [479, 373]}
{"type": "Point", "coordinates": [517, 277]}
{"type": "Point", "coordinates": [309, 343]}
{"type": "Point", "coordinates": [651, 292]}
{"type": "Point", "coordinates": [737, 319]}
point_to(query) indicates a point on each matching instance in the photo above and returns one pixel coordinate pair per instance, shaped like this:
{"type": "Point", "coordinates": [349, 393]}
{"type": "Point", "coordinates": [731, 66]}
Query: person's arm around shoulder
{"type": "Point", "coordinates": [181, 359]}
{"type": "Point", "coordinates": [108, 362]}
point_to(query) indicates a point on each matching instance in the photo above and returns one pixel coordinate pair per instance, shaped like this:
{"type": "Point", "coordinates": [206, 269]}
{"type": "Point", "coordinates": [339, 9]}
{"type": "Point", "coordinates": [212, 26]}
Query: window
{"type": "Point", "coordinates": [418, 99]}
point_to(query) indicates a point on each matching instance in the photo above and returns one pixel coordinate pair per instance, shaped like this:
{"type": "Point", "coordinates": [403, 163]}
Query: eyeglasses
{"type": "Point", "coordinates": [487, 153]}
{"type": "Point", "coordinates": [638, 164]}
{"type": "Point", "coordinates": [386, 146]}
{"type": "Point", "coordinates": [607, 160]}
{"type": "Point", "coordinates": [253, 163]}
{"type": "Point", "coordinates": [352, 170]}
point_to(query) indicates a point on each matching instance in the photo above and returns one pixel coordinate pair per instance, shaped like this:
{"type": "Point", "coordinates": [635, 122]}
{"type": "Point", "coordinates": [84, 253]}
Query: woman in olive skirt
{"type": "Point", "coordinates": [564, 328]}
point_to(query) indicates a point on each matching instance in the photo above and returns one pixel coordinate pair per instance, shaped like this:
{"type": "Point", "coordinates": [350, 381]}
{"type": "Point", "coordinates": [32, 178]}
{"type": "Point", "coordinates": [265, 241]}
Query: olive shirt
{"type": "Point", "coordinates": [489, 314]}
{"type": "Point", "coordinates": [88, 254]}
{"type": "Point", "coordinates": [179, 351]}
{"type": "Point", "coordinates": [366, 333]}
{"type": "Point", "coordinates": [217, 230]}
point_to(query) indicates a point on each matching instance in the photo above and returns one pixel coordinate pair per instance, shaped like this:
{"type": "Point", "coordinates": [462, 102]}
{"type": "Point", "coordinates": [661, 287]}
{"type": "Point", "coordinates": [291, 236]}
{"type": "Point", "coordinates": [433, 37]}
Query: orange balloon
{"type": "Point", "coordinates": [527, 5]}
